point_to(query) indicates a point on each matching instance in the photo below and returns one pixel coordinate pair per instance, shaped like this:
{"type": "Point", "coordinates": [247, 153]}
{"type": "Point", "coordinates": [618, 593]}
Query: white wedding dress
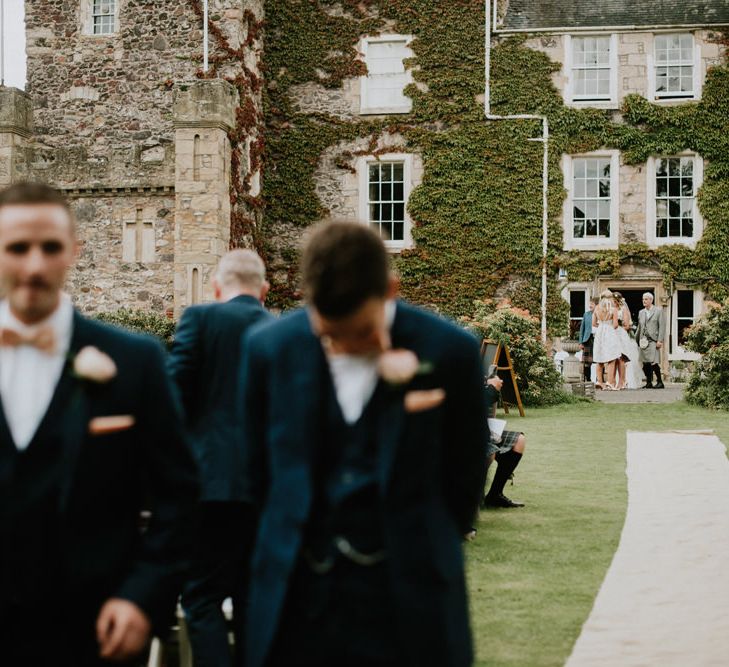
{"type": "Point", "coordinates": [633, 370]}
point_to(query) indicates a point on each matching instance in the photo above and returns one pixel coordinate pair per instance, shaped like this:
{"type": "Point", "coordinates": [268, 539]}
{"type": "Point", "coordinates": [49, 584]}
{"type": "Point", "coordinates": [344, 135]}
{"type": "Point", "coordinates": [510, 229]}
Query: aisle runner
{"type": "Point", "coordinates": [665, 598]}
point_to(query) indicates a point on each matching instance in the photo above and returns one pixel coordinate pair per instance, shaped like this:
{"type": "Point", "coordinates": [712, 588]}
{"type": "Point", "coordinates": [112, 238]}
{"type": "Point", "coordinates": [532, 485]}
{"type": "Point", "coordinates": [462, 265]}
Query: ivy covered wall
{"type": "Point", "coordinates": [477, 214]}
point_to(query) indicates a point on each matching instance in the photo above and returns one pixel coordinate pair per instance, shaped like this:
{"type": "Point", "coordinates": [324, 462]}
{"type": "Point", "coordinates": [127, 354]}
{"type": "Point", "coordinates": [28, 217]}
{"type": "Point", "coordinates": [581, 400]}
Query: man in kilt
{"type": "Point", "coordinates": [587, 339]}
{"type": "Point", "coordinates": [506, 451]}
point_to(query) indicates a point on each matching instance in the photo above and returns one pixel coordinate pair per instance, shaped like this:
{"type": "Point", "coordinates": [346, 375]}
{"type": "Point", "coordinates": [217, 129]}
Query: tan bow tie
{"type": "Point", "coordinates": [43, 339]}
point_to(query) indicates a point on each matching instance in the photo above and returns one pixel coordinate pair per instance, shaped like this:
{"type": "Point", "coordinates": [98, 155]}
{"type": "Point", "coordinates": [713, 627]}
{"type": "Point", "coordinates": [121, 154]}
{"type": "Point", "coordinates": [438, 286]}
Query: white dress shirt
{"type": "Point", "coordinates": [28, 377]}
{"type": "Point", "coordinates": [355, 376]}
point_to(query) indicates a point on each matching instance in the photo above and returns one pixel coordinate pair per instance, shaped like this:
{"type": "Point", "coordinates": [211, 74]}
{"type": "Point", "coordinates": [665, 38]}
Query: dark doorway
{"type": "Point", "coordinates": [634, 299]}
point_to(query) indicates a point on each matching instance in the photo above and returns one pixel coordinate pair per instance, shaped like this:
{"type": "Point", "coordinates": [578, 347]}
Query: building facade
{"type": "Point", "coordinates": [374, 112]}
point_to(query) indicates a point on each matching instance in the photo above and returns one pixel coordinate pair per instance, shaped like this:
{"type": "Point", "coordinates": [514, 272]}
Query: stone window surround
{"type": "Point", "coordinates": [676, 352]}
{"type": "Point", "coordinates": [362, 168]}
{"type": "Point", "coordinates": [86, 20]}
{"type": "Point", "coordinates": [363, 48]}
{"type": "Point", "coordinates": [650, 209]}
{"type": "Point", "coordinates": [571, 243]}
{"type": "Point", "coordinates": [651, 70]}
{"type": "Point", "coordinates": [612, 103]}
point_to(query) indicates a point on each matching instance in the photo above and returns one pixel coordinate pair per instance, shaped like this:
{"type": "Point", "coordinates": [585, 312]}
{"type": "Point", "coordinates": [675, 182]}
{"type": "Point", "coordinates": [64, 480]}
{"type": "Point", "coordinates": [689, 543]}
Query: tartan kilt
{"type": "Point", "coordinates": [587, 351]}
{"type": "Point", "coordinates": [508, 440]}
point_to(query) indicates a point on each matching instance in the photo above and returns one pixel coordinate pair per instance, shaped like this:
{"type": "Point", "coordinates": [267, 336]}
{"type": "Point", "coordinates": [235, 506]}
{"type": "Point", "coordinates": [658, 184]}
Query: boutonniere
{"type": "Point", "coordinates": [94, 365]}
{"type": "Point", "coordinates": [398, 367]}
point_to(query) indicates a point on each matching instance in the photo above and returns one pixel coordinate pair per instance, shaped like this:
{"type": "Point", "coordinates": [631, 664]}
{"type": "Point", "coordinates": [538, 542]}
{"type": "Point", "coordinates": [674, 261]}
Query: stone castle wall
{"type": "Point", "coordinates": [104, 131]}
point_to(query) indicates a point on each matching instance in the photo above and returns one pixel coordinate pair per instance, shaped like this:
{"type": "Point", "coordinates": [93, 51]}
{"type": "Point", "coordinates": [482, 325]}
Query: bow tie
{"type": "Point", "coordinates": [43, 339]}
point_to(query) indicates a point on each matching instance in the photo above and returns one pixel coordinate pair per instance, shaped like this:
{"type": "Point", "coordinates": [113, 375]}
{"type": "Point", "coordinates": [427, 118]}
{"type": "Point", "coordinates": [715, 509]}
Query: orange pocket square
{"type": "Point", "coordinates": [110, 424]}
{"type": "Point", "coordinates": [419, 401]}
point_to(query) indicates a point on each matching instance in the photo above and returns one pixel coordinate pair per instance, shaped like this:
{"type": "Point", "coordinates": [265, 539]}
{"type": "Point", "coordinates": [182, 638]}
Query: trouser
{"type": "Point", "coordinates": [219, 571]}
{"type": "Point", "coordinates": [344, 617]}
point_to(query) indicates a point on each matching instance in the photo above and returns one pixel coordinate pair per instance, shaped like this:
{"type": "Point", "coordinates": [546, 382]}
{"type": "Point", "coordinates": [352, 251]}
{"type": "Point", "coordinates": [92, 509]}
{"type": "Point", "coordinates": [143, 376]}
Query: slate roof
{"type": "Point", "coordinates": [545, 14]}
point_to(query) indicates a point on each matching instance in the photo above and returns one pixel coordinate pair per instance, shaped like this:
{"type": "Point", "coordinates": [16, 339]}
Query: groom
{"type": "Point", "coordinates": [365, 430]}
{"type": "Point", "coordinates": [89, 437]}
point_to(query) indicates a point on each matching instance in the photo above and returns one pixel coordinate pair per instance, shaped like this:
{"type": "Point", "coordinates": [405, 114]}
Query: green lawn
{"type": "Point", "coordinates": [534, 572]}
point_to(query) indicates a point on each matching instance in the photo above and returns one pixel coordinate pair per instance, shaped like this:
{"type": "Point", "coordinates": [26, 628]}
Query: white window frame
{"type": "Point", "coordinates": [87, 20]}
{"type": "Point", "coordinates": [610, 103]}
{"type": "Point", "coordinates": [586, 289]}
{"type": "Point", "coordinates": [364, 48]}
{"type": "Point", "coordinates": [698, 76]}
{"type": "Point", "coordinates": [650, 208]}
{"type": "Point", "coordinates": [677, 352]}
{"type": "Point", "coordinates": [572, 243]}
{"type": "Point", "coordinates": [363, 163]}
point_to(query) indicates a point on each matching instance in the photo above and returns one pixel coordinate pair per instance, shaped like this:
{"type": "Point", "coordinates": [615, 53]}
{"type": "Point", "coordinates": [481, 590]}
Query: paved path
{"type": "Point", "coordinates": [672, 393]}
{"type": "Point", "coordinates": [665, 599]}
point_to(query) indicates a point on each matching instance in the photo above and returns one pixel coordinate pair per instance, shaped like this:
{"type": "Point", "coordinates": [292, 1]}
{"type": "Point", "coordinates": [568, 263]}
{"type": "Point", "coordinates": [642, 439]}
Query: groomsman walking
{"type": "Point", "coordinates": [365, 429]}
{"type": "Point", "coordinates": [204, 365]}
{"type": "Point", "coordinates": [89, 436]}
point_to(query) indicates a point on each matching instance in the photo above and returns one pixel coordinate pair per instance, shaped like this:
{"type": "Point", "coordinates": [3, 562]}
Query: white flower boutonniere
{"type": "Point", "coordinates": [93, 364]}
{"type": "Point", "coordinates": [398, 367]}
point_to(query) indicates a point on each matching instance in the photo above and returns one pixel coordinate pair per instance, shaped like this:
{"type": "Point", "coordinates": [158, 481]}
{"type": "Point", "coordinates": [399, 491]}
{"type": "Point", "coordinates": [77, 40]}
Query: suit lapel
{"type": "Point", "coordinates": [391, 417]}
{"type": "Point", "coordinates": [68, 411]}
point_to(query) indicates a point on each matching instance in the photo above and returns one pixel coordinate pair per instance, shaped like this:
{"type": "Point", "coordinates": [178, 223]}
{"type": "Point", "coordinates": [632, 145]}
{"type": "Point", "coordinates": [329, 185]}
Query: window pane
{"type": "Point", "coordinates": [579, 168]}
{"type": "Point", "coordinates": [398, 212]}
{"type": "Point", "coordinates": [674, 187]}
{"type": "Point", "coordinates": [578, 212]}
{"type": "Point", "coordinates": [604, 209]}
{"type": "Point", "coordinates": [386, 171]}
{"type": "Point", "coordinates": [591, 227]}
{"type": "Point", "coordinates": [687, 166]}
{"type": "Point", "coordinates": [661, 187]}
{"type": "Point", "coordinates": [674, 208]}
{"type": "Point", "coordinates": [662, 208]}
{"type": "Point", "coordinates": [397, 171]}
{"type": "Point", "coordinates": [577, 303]}
{"type": "Point", "coordinates": [661, 167]}
{"type": "Point", "coordinates": [398, 192]}
{"type": "Point", "coordinates": [386, 190]}
{"type": "Point", "coordinates": [398, 231]}
{"type": "Point", "coordinates": [604, 187]}
{"type": "Point", "coordinates": [687, 228]}
{"type": "Point", "coordinates": [374, 192]}
{"type": "Point", "coordinates": [604, 229]}
{"type": "Point", "coordinates": [674, 227]}
{"type": "Point", "coordinates": [579, 189]}
{"type": "Point", "coordinates": [661, 227]}
{"type": "Point", "coordinates": [674, 166]}
{"type": "Point", "coordinates": [374, 172]}
{"type": "Point", "coordinates": [591, 188]}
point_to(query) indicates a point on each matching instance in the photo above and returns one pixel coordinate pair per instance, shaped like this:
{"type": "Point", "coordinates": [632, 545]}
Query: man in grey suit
{"type": "Point", "coordinates": [650, 334]}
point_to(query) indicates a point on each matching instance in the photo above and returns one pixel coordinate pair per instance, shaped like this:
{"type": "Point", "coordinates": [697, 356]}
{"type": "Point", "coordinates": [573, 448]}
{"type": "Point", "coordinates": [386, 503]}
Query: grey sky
{"type": "Point", "coordinates": [13, 43]}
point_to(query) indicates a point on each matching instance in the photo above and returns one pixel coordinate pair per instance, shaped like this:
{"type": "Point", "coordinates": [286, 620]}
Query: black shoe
{"type": "Point", "coordinates": [500, 500]}
{"type": "Point", "coordinates": [647, 385]}
{"type": "Point", "coordinates": [659, 385]}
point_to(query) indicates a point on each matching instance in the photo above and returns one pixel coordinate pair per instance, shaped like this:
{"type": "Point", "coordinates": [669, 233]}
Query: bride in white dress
{"type": "Point", "coordinates": [628, 368]}
{"type": "Point", "coordinates": [607, 347]}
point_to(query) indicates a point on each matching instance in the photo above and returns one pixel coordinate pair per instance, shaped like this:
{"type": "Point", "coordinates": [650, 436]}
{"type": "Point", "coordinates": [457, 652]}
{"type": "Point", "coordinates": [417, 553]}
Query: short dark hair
{"type": "Point", "coordinates": [343, 265]}
{"type": "Point", "coordinates": [30, 192]}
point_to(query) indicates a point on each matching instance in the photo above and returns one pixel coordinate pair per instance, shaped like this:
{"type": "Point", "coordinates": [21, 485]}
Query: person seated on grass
{"type": "Point", "coordinates": [506, 451]}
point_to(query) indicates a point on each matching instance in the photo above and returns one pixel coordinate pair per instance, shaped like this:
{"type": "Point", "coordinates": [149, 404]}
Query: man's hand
{"type": "Point", "coordinates": [659, 345]}
{"type": "Point", "coordinates": [122, 629]}
{"type": "Point", "coordinates": [496, 383]}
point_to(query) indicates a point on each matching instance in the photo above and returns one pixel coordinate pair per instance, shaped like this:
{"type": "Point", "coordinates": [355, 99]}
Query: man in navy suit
{"type": "Point", "coordinates": [90, 435]}
{"type": "Point", "coordinates": [365, 429]}
{"type": "Point", "coordinates": [204, 364]}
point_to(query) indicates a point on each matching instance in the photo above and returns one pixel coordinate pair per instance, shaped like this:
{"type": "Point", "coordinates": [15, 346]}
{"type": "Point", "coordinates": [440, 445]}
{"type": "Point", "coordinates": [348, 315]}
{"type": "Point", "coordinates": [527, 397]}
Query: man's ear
{"type": "Point", "coordinates": [393, 286]}
{"type": "Point", "coordinates": [217, 290]}
{"type": "Point", "coordinates": [264, 291]}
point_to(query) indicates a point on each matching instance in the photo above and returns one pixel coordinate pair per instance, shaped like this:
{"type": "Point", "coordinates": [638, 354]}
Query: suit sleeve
{"type": "Point", "coordinates": [583, 329]}
{"type": "Point", "coordinates": [466, 433]}
{"type": "Point", "coordinates": [170, 477]}
{"type": "Point", "coordinates": [184, 359]}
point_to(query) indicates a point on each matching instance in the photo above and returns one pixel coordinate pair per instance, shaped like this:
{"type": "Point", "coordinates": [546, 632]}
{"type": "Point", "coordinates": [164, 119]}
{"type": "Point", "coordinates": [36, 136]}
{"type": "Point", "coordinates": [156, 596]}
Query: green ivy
{"type": "Point", "coordinates": [142, 321]}
{"type": "Point", "coordinates": [477, 214]}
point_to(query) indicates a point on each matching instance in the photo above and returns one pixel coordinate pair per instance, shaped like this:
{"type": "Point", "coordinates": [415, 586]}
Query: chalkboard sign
{"type": "Point", "coordinates": [497, 361]}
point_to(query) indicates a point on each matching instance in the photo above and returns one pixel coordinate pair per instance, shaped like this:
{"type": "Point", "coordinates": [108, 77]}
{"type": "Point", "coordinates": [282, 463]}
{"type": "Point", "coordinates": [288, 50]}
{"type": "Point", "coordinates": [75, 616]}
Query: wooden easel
{"type": "Point", "coordinates": [496, 358]}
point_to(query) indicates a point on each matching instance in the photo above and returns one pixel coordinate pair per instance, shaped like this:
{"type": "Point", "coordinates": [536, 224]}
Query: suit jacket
{"type": "Point", "coordinates": [586, 327]}
{"type": "Point", "coordinates": [654, 327]}
{"type": "Point", "coordinates": [430, 469]}
{"type": "Point", "coordinates": [204, 366]}
{"type": "Point", "coordinates": [108, 479]}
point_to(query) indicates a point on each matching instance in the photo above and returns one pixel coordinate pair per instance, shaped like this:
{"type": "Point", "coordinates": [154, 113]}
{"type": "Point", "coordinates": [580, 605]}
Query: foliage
{"type": "Point", "coordinates": [142, 321]}
{"type": "Point", "coordinates": [709, 382]}
{"type": "Point", "coordinates": [477, 214]}
{"type": "Point", "coordinates": [538, 380]}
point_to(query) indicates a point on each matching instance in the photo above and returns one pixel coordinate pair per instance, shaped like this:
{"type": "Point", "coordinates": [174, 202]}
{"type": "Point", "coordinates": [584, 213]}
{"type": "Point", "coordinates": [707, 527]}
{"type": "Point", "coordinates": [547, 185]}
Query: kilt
{"type": "Point", "coordinates": [508, 440]}
{"type": "Point", "coordinates": [587, 350]}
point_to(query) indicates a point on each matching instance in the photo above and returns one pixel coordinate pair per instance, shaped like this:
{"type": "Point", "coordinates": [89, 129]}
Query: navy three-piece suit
{"type": "Point", "coordinates": [70, 506]}
{"type": "Point", "coordinates": [358, 556]}
{"type": "Point", "coordinates": [204, 366]}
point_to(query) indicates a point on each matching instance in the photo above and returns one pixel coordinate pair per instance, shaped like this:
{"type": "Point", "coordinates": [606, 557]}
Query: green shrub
{"type": "Point", "coordinates": [538, 380]}
{"type": "Point", "coordinates": [142, 321]}
{"type": "Point", "coordinates": [708, 385]}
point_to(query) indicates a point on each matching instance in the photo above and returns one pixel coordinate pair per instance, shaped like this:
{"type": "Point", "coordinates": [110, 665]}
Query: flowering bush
{"type": "Point", "coordinates": [538, 380]}
{"type": "Point", "coordinates": [709, 382]}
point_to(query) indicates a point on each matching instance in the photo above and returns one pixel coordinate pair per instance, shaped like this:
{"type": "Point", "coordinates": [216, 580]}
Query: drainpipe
{"type": "Point", "coordinates": [544, 139]}
{"type": "Point", "coordinates": [205, 35]}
